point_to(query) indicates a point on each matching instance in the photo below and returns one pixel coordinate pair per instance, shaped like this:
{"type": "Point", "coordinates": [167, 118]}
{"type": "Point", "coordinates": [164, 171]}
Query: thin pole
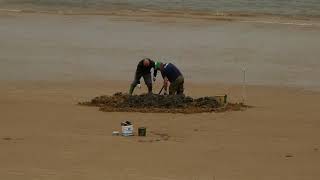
{"type": "Point", "coordinates": [244, 93]}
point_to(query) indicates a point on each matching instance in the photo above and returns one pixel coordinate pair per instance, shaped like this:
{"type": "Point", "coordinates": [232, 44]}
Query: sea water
{"type": "Point", "coordinates": [275, 7]}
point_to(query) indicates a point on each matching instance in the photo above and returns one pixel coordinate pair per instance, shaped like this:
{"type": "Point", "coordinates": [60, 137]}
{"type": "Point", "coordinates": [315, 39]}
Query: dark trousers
{"type": "Point", "coordinates": [147, 80]}
{"type": "Point", "coordinates": [176, 87]}
{"type": "Point", "coordinates": [146, 77]}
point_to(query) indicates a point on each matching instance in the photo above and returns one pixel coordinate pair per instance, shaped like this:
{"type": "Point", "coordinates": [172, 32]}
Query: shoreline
{"type": "Point", "coordinates": [233, 90]}
{"type": "Point", "coordinates": [264, 18]}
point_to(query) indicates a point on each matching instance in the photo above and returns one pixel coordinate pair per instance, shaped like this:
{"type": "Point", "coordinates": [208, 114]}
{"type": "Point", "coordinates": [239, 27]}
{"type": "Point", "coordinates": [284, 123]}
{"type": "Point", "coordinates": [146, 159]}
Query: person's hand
{"type": "Point", "coordinates": [154, 78]}
{"type": "Point", "coordinates": [139, 86]}
{"type": "Point", "coordinates": [165, 84]}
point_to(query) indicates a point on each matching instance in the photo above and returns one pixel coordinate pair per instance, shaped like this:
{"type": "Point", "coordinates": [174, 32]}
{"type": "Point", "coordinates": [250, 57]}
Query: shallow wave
{"type": "Point", "coordinates": [276, 7]}
{"type": "Point", "coordinates": [146, 14]}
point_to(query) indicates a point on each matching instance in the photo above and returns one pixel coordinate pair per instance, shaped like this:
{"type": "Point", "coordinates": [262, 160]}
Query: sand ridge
{"type": "Point", "coordinates": [155, 103]}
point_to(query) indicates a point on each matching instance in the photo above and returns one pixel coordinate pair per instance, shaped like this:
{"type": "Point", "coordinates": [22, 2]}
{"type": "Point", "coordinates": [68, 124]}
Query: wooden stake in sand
{"type": "Point", "coordinates": [244, 93]}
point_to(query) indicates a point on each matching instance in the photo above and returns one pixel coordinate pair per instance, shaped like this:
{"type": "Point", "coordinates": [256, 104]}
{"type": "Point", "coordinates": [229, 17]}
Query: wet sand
{"type": "Point", "coordinates": [49, 63]}
{"type": "Point", "coordinates": [62, 47]}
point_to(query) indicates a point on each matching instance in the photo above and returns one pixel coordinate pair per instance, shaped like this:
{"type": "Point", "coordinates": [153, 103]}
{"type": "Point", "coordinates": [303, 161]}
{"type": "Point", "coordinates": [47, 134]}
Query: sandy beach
{"type": "Point", "coordinates": [50, 62]}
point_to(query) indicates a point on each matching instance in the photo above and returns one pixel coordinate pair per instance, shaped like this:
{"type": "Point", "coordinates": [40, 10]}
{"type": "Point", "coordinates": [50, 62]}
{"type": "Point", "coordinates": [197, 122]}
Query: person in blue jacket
{"type": "Point", "coordinates": [170, 73]}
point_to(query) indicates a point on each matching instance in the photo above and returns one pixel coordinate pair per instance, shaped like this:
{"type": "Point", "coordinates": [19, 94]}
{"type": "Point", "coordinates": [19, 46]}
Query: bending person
{"type": "Point", "coordinates": [144, 70]}
{"type": "Point", "coordinates": [170, 73]}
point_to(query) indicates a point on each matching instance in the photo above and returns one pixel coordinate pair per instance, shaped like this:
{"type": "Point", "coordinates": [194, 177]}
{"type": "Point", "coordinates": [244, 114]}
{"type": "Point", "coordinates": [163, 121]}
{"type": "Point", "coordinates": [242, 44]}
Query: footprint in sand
{"type": "Point", "coordinates": [11, 139]}
{"type": "Point", "coordinates": [7, 138]}
{"type": "Point", "coordinates": [289, 156]}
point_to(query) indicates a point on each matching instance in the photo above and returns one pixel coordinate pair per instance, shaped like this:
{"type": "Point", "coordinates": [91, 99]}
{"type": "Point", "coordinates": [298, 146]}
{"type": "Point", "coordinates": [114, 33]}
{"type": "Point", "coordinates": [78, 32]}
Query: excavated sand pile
{"type": "Point", "coordinates": [150, 103]}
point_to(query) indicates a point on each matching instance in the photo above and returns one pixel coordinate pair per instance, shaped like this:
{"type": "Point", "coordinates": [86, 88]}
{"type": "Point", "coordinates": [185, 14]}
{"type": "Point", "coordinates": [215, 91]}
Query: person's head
{"type": "Point", "coordinates": [158, 65]}
{"type": "Point", "coordinates": [146, 62]}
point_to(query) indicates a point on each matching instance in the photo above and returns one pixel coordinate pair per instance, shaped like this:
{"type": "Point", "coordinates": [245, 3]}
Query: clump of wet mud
{"type": "Point", "coordinates": [150, 103]}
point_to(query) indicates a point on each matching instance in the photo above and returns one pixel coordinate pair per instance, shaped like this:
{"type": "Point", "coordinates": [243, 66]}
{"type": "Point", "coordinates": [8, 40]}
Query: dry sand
{"type": "Point", "coordinates": [53, 138]}
{"type": "Point", "coordinates": [45, 135]}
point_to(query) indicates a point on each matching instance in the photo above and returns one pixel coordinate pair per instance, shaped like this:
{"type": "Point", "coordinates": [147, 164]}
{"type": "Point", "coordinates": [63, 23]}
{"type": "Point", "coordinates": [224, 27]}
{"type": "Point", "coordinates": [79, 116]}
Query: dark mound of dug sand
{"type": "Point", "coordinates": [149, 103]}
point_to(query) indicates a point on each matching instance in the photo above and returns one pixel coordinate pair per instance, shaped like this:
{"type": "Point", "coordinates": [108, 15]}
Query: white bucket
{"type": "Point", "coordinates": [127, 130]}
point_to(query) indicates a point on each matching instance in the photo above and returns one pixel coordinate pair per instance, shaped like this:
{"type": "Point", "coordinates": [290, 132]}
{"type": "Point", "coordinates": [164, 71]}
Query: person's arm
{"type": "Point", "coordinates": [155, 72]}
{"type": "Point", "coordinates": [139, 71]}
{"type": "Point", "coordinates": [153, 65]}
{"type": "Point", "coordinates": [165, 86]}
{"type": "Point", "coordinates": [165, 82]}
{"type": "Point", "coordinates": [162, 74]}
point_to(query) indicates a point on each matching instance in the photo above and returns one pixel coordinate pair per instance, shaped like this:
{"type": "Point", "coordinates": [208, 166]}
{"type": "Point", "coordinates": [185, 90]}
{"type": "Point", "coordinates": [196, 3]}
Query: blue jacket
{"type": "Point", "coordinates": [171, 72]}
